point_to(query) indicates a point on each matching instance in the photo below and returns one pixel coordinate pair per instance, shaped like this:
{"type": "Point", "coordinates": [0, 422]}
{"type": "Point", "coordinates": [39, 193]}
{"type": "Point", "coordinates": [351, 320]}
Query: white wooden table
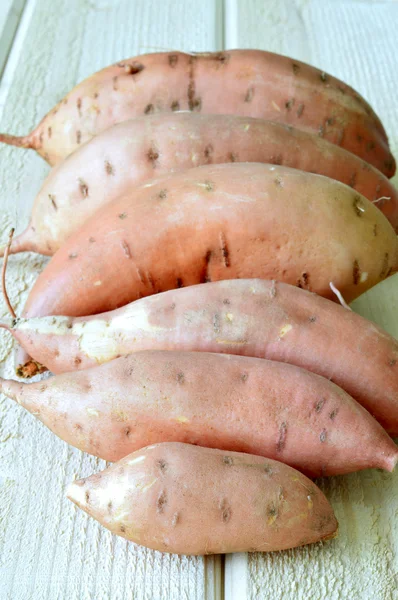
{"type": "Point", "coordinates": [48, 549]}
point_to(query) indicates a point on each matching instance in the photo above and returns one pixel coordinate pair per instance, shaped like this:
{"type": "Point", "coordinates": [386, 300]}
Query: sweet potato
{"type": "Point", "coordinates": [117, 160]}
{"type": "Point", "coordinates": [219, 222]}
{"type": "Point", "coordinates": [242, 82]}
{"type": "Point", "coordinates": [248, 317]}
{"type": "Point", "coordinates": [188, 500]}
{"type": "Point", "coordinates": [214, 400]}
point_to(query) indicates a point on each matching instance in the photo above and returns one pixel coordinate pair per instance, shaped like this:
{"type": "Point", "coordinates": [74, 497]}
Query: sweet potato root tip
{"type": "Point", "coordinates": [24, 242]}
{"type": "Point", "coordinates": [15, 140]}
{"type": "Point", "coordinates": [3, 275]}
{"type": "Point", "coordinates": [30, 369]}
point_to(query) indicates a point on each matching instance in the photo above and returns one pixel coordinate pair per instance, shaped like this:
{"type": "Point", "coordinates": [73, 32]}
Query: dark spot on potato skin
{"type": "Point", "coordinates": [333, 414]}
{"type": "Point", "coordinates": [161, 502]}
{"type": "Point", "coordinates": [353, 180]}
{"type": "Point", "coordinates": [268, 470]}
{"type": "Point", "coordinates": [375, 229]}
{"type": "Point", "coordinates": [115, 83]}
{"type": "Point", "coordinates": [180, 378]}
{"type": "Point", "coordinates": [179, 282]}
{"type": "Point", "coordinates": [356, 272]}
{"type": "Point", "coordinates": [127, 431]}
{"type": "Point", "coordinates": [163, 194]}
{"type": "Point", "coordinates": [87, 496]}
{"type": "Point", "coordinates": [110, 506]}
{"type": "Point", "coordinates": [312, 319]}
{"type": "Point", "coordinates": [162, 465]}
{"type": "Point", "coordinates": [322, 436]}
{"type": "Point", "coordinates": [83, 188]}
{"type": "Point", "coordinates": [153, 156]}
{"type": "Point", "coordinates": [149, 109]}
{"type": "Point", "coordinates": [281, 442]}
{"type": "Point", "coordinates": [73, 255]}
{"type": "Point", "coordinates": [208, 152]}
{"type": "Point", "coordinates": [122, 216]}
{"type": "Point", "coordinates": [91, 240]}
{"type": "Point", "coordinates": [244, 377]}
{"type": "Point", "coordinates": [392, 362]}
{"type": "Point", "coordinates": [132, 68]}
{"type": "Point", "coordinates": [78, 427]}
{"type": "Point", "coordinates": [173, 60]}
{"type": "Point", "coordinates": [296, 68]}
{"type": "Point", "coordinates": [389, 164]}
{"type": "Point", "coordinates": [232, 157]}
{"type": "Point", "coordinates": [289, 104]}
{"type": "Point", "coordinates": [50, 132]}
{"type": "Point", "coordinates": [226, 301]}
{"type": "Point", "coordinates": [278, 182]}
{"type": "Point", "coordinates": [323, 77]}
{"type": "Point", "coordinates": [52, 198]}
{"type": "Point", "coordinates": [370, 146]}
{"type": "Point", "coordinates": [227, 460]}
{"type": "Point", "coordinates": [175, 105]}
{"type": "Point", "coordinates": [319, 405]}
{"type": "Point", "coordinates": [249, 94]}
{"type": "Point", "coordinates": [303, 282]}
{"type": "Point", "coordinates": [109, 169]}
{"type": "Point", "coordinates": [78, 136]}
{"type": "Point", "coordinates": [224, 250]}
{"type": "Point", "coordinates": [272, 511]}
{"type": "Point", "coordinates": [77, 360]}
{"type": "Point", "coordinates": [122, 529]}
{"type": "Point", "coordinates": [226, 510]}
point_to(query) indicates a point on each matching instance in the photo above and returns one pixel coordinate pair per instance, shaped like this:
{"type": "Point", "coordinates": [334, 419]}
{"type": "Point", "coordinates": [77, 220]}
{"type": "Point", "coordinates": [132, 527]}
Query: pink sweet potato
{"type": "Point", "coordinates": [248, 317]}
{"type": "Point", "coordinates": [189, 500]}
{"type": "Point", "coordinates": [117, 160]}
{"type": "Point", "coordinates": [241, 82]}
{"type": "Point", "coordinates": [214, 400]}
{"type": "Point", "coordinates": [219, 222]}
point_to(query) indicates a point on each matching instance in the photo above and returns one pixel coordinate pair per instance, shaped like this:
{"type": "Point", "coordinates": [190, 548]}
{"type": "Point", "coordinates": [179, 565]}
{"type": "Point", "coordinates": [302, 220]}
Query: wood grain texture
{"type": "Point", "coordinates": [48, 549]}
{"type": "Point", "coordinates": [10, 15]}
{"type": "Point", "coordinates": [354, 40]}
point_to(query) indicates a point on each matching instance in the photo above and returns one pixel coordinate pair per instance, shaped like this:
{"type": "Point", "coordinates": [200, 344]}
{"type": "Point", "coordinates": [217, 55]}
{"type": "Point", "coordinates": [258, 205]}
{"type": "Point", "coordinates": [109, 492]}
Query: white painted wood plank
{"type": "Point", "coordinates": [48, 549]}
{"type": "Point", "coordinates": [10, 14]}
{"type": "Point", "coordinates": [354, 40]}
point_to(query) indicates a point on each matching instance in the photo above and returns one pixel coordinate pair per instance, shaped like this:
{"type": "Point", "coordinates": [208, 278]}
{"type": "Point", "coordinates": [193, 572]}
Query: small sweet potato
{"type": "Point", "coordinates": [117, 160]}
{"type": "Point", "coordinates": [190, 500]}
{"type": "Point", "coordinates": [242, 82]}
{"type": "Point", "coordinates": [214, 400]}
{"type": "Point", "coordinates": [219, 222]}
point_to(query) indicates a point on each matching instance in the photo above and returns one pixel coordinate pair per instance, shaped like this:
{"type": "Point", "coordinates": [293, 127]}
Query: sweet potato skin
{"type": "Point", "coordinates": [219, 222]}
{"type": "Point", "coordinates": [264, 319]}
{"type": "Point", "coordinates": [260, 84]}
{"type": "Point", "coordinates": [214, 400]}
{"type": "Point", "coordinates": [117, 160]}
{"type": "Point", "coordinates": [189, 500]}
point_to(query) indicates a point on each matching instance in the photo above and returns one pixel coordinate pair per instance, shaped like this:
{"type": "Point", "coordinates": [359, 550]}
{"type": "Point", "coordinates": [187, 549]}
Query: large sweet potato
{"type": "Point", "coordinates": [219, 222]}
{"type": "Point", "coordinates": [214, 400]}
{"type": "Point", "coordinates": [117, 160]}
{"type": "Point", "coordinates": [242, 82]}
